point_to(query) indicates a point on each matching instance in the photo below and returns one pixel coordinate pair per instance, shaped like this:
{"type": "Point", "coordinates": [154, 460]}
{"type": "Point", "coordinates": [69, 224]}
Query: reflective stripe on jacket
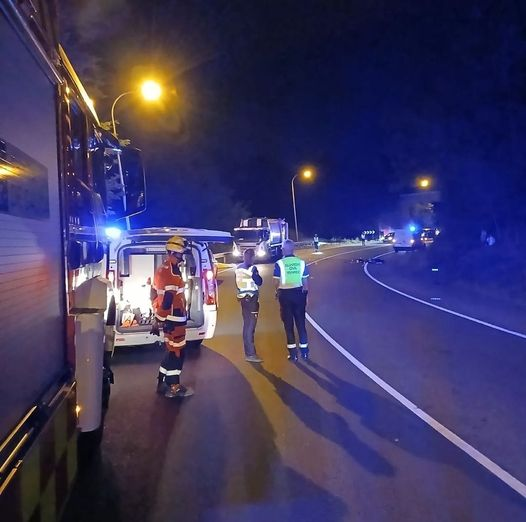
{"type": "Point", "coordinates": [170, 302]}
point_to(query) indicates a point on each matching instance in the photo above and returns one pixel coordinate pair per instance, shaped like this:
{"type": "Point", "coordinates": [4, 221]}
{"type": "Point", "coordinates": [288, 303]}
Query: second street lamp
{"type": "Point", "coordinates": [305, 174]}
{"type": "Point", "coordinates": [424, 182]}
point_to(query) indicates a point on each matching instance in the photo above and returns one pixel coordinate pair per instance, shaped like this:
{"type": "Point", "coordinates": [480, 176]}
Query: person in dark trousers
{"type": "Point", "coordinates": [248, 282]}
{"type": "Point", "coordinates": [169, 304]}
{"type": "Point", "coordinates": [291, 275]}
{"type": "Point", "coordinates": [316, 242]}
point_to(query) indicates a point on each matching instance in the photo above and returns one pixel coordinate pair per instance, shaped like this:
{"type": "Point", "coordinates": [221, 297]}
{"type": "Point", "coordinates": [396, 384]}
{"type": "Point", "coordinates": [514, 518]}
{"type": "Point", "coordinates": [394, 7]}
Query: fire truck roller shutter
{"type": "Point", "coordinates": [31, 251]}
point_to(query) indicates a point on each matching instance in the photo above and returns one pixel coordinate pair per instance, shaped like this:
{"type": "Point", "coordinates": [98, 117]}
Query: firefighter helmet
{"type": "Point", "coordinates": [176, 244]}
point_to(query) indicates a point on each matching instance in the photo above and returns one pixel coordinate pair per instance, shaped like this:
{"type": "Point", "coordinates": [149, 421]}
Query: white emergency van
{"type": "Point", "coordinates": [404, 239]}
{"type": "Point", "coordinates": [134, 258]}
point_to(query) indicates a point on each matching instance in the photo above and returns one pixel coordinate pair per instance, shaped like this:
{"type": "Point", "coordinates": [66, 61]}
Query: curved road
{"type": "Point", "coordinates": [319, 441]}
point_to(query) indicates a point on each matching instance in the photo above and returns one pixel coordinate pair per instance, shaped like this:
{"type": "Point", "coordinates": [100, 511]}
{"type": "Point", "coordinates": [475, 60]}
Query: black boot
{"type": "Point", "coordinates": [293, 354]}
{"type": "Point", "coordinates": [304, 353]}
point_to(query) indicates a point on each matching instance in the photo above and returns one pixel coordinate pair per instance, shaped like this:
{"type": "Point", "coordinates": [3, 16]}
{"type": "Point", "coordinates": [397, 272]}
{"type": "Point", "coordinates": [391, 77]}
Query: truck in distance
{"type": "Point", "coordinates": [264, 235]}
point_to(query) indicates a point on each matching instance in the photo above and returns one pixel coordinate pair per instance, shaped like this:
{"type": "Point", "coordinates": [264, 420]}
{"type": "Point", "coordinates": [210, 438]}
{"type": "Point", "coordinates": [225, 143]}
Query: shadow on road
{"type": "Point", "coordinates": [389, 420]}
{"type": "Point", "coordinates": [329, 425]}
{"type": "Point", "coordinates": [210, 458]}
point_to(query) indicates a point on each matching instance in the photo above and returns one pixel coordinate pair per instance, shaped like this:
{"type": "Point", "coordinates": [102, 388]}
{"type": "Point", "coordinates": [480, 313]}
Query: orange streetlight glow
{"type": "Point", "coordinates": [151, 90]}
{"type": "Point", "coordinates": [424, 183]}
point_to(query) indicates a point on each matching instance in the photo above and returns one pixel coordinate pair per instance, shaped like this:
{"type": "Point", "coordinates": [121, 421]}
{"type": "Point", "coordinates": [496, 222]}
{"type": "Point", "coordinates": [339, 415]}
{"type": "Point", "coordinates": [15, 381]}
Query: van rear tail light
{"type": "Point", "coordinates": [209, 286]}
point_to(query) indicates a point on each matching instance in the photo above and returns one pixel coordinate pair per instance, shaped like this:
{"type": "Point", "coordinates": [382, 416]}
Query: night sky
{"type": "Point", "coordinates": [370, 93]}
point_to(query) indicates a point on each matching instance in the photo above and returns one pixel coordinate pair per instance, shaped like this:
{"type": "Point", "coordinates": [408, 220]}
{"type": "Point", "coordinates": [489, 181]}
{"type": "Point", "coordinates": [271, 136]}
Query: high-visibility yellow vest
{"type": "Point", "coordinates": [244, 282]}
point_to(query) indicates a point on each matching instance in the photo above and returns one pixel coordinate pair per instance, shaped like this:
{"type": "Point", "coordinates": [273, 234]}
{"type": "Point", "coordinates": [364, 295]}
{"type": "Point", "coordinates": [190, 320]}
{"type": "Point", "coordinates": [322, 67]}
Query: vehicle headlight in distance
{"type": "Point", "coordinates": [261, 251]}
{"type": "Point", "coordinates": [412, 241]}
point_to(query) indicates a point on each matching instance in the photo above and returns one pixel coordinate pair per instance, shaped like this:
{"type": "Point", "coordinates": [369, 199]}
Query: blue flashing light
{"type": "Point", "coordinates": [113, 232]}
{"type": "Point", "coordinates": [412, 228]}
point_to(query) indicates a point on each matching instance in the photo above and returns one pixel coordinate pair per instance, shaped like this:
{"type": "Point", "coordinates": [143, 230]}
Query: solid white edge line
{"type": "Point", "coordinates": [452, 437]}
{"type": "Point", "coordinates": [476, 455]}
{"type": "Point", "coordinates": [441, 308]}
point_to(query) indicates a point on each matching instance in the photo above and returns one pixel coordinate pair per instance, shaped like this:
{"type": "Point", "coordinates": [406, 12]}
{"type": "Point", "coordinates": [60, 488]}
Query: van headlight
{"type": "Point", "coordinates": [261, 251]}
{"type": "Point", "coordinates": [235, 251]}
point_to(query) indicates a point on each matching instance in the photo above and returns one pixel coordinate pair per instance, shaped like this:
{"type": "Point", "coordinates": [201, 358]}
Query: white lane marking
{"type": "Point", "coordinates": [476, 455]}
{"type": "Point", "coordinates": [442, 309]}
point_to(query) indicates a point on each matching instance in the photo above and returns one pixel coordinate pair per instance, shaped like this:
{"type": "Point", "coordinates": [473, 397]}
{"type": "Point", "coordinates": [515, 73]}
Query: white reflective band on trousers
{"type": "Point", "coordinates": [164, 371]}
{"type": "Point", "coordinates": [304, 345]}
{"type": "Point", "coordinates": [290, 346]}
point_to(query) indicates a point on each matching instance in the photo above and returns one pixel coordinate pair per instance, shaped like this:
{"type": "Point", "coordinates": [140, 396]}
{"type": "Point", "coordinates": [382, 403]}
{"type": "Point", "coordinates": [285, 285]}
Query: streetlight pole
{"type": "Point", "coordinates": [119, 164]}
{"type": "Point", "coordinates": [113, 111]}
{"type": "Point", "coordinates": [294, 206]}
{"type": "Point", "coordinates": [307, 174]}
{"type": "Point", "coordinates": [150, 91]}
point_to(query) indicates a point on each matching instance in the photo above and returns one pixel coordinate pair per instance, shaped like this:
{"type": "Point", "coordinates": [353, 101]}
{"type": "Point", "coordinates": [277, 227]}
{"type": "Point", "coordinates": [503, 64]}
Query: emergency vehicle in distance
{"type": "Point", "coordinates": [264, 235]}
{"type": "Point", "coordinates": [135, 257]}
{"type": "Point", "coordinates": [61, 177]}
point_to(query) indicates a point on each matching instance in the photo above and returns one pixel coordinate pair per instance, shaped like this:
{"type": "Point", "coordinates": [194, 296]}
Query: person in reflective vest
{"type": "Point", "coordinates": [248, 282]}
{"type": "Point", "coordinates": [169, 305]}
{"type": "Point", "coordinates": [291, 275]}
{"type": "Point", "coordinates": [316, 242]}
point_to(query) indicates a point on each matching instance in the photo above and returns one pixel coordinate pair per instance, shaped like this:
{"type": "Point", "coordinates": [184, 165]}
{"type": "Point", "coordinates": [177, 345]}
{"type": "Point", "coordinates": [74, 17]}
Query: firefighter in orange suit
{"type": "Point", "coordinates": [169, 305]}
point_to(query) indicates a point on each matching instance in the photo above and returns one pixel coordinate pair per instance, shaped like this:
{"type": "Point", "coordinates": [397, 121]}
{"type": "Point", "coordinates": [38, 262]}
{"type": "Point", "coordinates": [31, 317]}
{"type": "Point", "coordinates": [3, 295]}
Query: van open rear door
{"type": "Point", "coordinates": [138, 256]}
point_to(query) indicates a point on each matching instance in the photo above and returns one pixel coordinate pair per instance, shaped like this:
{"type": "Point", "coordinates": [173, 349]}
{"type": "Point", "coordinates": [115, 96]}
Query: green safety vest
{"type": "Point", "coordinates": [291, 272]}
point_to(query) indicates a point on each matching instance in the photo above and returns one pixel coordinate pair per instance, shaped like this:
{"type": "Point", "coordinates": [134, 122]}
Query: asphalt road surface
{"type": "Point", "coordinates": [320, 441]}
